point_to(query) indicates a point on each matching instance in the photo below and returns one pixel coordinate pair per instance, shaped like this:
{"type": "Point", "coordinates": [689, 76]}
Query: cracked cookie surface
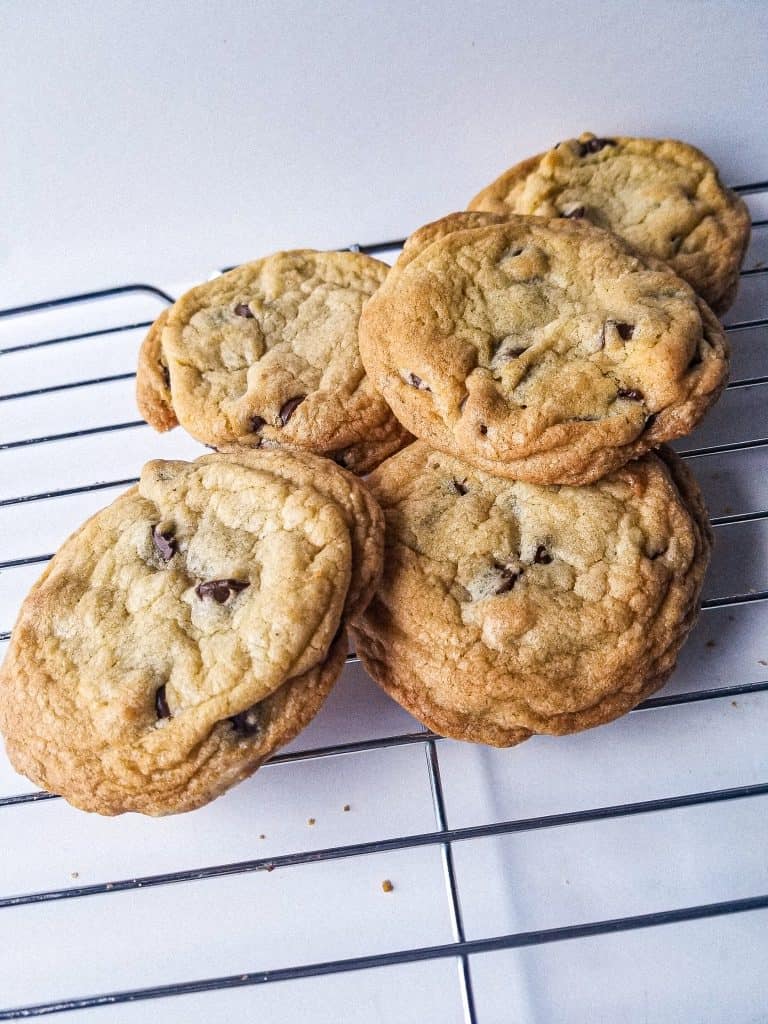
{"type": "Point", "coordinates": [508, 609]}
{"type": "Point", "coordinates": [546, 351]}
{"type": "Point", "coordinates": [267, 356]}
{"type": "Point", "coordinates": [664, 197]}
{"type": "Point", "coordinates": [188, 629]}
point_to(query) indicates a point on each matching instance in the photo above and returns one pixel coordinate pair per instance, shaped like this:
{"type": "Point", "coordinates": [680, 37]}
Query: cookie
{"type": "Point", "coordinates": [187, 630]}
{"type": "Point", "coordinates": [267, 356]}
{"type": "Point", "coordinates": [355, 502]}
{"type": "Point", "coordinates": [663, 197]}
{"type": "Point", "coordinates": [508, 609]}
{"type": "Point", "coordinates": [153, 381]}
{"type": "Point", "coordinates": [542, 350]}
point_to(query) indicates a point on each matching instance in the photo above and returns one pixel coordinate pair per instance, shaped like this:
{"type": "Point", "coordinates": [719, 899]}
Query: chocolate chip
{"type": "Point", "coordinates": [509, 578]}
{"type": "Point", "coordinates": [248, 722]}
{"type": "Point", "coordinates": [594, 145]}
{"type": "Point", "coordinates": [505, 354]}
{"type": "Point", "coordinates": [624, 331]}
{"type": "Point", "coordinates": [417, 382]}
{"type": "Point", "coordinates": [542, 556]}
{"type": "Point", "coordinates": [220, 590]}
{"type": "Point", "coordinates": [243, 309]}
{"type": "Point", "coordinates": [166, 375]}
{"type": "Point", "coordinates": [161, 703]}
{"type": "Point", "coordinates": [164, 542]}
{"type": "Point", "coordinates": [290, 407]}
{"type": "Point", "coordinates": [459, 486]}
{"type": "Point", "coordinates": [631, 393]}
{"type": "Point", "coordinates": [575, 211]}
{"type": "Point", "coordinates": [256, 423]}
{"type": "Point", "coordinates": [650, 420]}
{"type": "Point", "coordinates": [483, 429]}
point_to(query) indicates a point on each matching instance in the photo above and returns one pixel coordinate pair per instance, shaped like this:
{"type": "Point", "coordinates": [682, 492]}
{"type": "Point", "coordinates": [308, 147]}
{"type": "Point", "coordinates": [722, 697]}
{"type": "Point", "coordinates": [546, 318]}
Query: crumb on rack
{"type": "Point", "coordinates": [262, 836]}
{"type": "Point", "coordinates": [346, 807]}
{"type": "Point", "coordinates": [387, 886]}
{"type": "Point", "coordinates": [74, 874]}
{"type": "Point", "coordinates": [734, 704]}
{"type": "Point", "coordinates": [762, 661]}
{"type": "Point", "coordinates": [310, 821]}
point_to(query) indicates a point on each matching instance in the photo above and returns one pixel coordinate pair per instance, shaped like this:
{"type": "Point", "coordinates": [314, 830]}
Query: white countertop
{"type": "Point", "coordinates": [155, 142]}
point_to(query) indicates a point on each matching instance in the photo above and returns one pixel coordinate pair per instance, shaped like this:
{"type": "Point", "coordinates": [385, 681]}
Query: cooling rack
{"type": "Point", "coordinates": [616, 875]}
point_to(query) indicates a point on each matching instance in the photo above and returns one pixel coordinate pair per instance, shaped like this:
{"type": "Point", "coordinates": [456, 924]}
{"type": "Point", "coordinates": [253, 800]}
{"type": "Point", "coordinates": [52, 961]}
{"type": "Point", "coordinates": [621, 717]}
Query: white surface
{"type": "Point", "coordinates": [144, 140]}
{"type": "Point", "coordinates": [154, 143]}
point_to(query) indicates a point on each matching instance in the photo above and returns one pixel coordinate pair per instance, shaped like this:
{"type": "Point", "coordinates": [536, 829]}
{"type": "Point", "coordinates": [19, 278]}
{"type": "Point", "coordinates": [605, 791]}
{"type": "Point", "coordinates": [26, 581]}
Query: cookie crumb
{"type": "Point", "coordinates": [387, 886]}
{"type": "Point", "coordinates": [310, 821]}
{"type": "Point", "coordinates": [734, 704]}
{"type": "Point", "coordinates": [711, 643]}
{"type": "Point", "coordinates": [74, 874]}
{"type": "Point", "coordinates": [346, 807]}
{"type": "Point", "coordinates": [762, 661]}
{"type": "Point", "coordinates": [262, 836]}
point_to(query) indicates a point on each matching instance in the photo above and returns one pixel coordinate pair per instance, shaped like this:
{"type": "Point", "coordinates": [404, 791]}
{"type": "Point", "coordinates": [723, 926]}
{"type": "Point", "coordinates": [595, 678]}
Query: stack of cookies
{"type": "Point", "coordinates": [509, 385]}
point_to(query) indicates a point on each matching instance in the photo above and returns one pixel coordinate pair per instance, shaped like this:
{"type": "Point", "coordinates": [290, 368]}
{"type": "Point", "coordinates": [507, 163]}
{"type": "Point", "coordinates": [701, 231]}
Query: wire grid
{"type": "Point", "coordinates": [443, 837]}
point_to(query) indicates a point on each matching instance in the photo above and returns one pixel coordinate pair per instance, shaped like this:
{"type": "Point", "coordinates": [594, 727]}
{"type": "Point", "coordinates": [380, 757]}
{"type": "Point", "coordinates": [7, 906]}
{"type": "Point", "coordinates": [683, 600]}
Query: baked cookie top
{"type": "Point", "coordinates": [545, 351]}
{"type": "Point", "coordinates": [142, 659]}
{"type": "Point", "coordinates": [507, 608]}
{"type": "Point", "coordinates": [267, 355]}
{"type": "Point", "coordinates": [662, 196]}
{"type": "Point", "coordinates": [354, 501]}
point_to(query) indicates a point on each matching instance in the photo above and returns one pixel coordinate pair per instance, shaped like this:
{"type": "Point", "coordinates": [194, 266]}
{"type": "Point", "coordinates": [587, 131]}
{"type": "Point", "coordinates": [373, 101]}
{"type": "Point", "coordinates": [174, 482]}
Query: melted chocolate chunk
{"type": "Point", "coordinates": [166, 375]}
{"type": "Point", "coordinates": [483, 429]}
{"type": "Point", "coordinates": [289, 408]}
{"type": "Point", "coordinates": [631, 393]}
{"type": "Point", "coordinates": [418, 383]}
{"type": "Point", "coordinates": [243, 309]}
{"type": "Point", "coordinates": [161, 703]}
{"type": "Point", "coordinates": [509, 578]}
{"type": "Point", "coordinates": [542, 556]}
{"type": "Point", "coordinates": [256, 423]}
{"type": "Point", "coordinates": [624, 331]}
{"type": "Point", "coordinates": [459, 486]}
{"type": "Point", "coordinates": [164, 542]}
{"type": "Point", "coordinates": [248, 722]}
{"type": "Point", "coordinates": [574, 212]}
{"type": "Point", "coordinates": [594, 145]}
{"type": "Point", "coordinates": [220, 590]}
{"type": "Point", "coordinates": [650, 420]}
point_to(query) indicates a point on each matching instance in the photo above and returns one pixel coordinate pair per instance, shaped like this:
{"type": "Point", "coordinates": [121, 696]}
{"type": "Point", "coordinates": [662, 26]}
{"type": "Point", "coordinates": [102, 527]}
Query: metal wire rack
{"type": "Point", "coordinates": [720, 442]}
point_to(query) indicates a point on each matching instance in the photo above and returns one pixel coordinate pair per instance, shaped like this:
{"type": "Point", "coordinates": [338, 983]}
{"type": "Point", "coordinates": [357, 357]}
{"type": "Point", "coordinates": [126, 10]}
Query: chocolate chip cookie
{"type": "Point", "coordinates": [187, 630]}
{"type": "Point", "coordinates": [508, 609]}
{"type": "Point", "coordinates": [662, 196]}
{"type": "Point", "coordinates": [541, 350]}
{"type": "Point", "coordinates": [267, 356]}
